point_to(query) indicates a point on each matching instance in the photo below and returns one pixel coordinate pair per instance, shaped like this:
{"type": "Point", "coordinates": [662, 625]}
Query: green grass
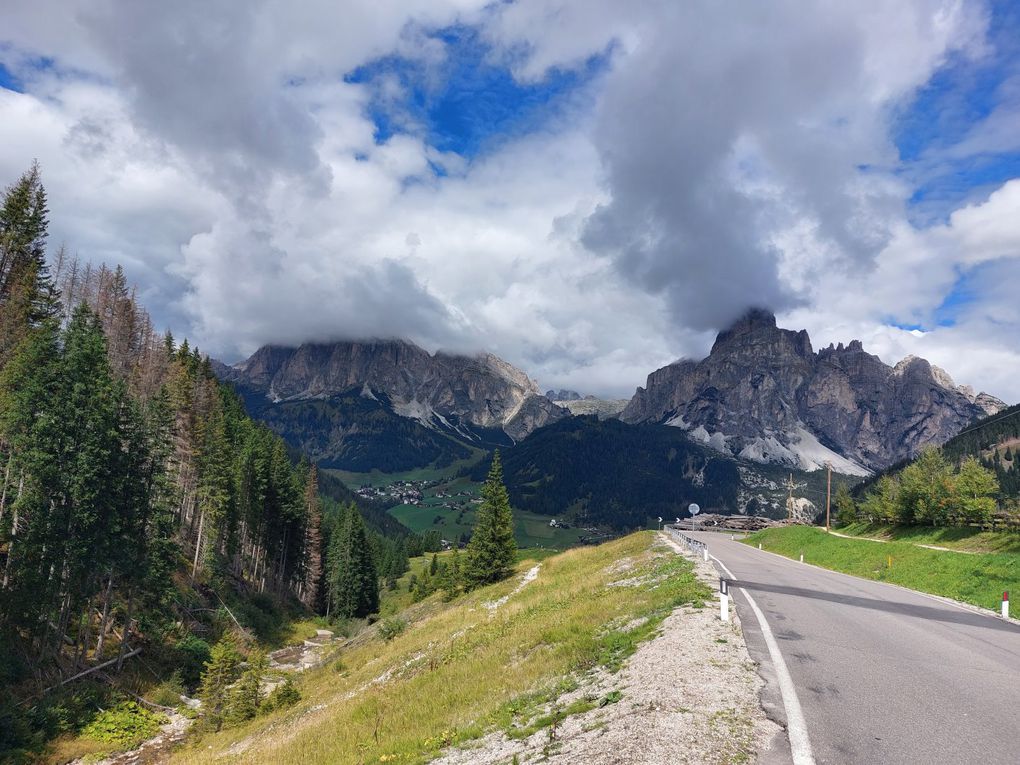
{"type": "Point", "coordinates": [530, 529]}
{"type": "Point", "coordinates": [979, 579]}
{"type": "Point", "coordinates": [429, 473]}
{"type": "Point", "coordinates": [966, 539]}
{"type": "Point", "coordinates": [458, 671]}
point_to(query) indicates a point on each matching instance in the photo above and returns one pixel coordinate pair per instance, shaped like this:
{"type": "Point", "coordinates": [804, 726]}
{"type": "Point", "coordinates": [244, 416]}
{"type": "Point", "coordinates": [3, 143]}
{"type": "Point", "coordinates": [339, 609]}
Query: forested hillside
{"type": "Point", "coordinates": [606, 472]}
{"type": "Point", "coordinates": [134, 488]}
{"type": "Point", "coordinates": [995, 441]}
{"type": "Point", "coordinates": [354, 432]}
{"type": "Point", "coordinates": [974, 478]}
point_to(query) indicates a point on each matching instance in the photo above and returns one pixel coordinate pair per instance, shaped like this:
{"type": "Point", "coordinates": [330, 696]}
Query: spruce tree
{"type": "Point", "coordinates": [220, 672]}
{"type": "Point", "coordinates": [312, 549]}
{"type": "Point", "coordinates": [246, 695]}
{"type": "Point", "coordinates": [27, 296]}
{"type": "Point", "coordinates": [492, 551]}
{"type": "Point", "coordinates": [354, 584]}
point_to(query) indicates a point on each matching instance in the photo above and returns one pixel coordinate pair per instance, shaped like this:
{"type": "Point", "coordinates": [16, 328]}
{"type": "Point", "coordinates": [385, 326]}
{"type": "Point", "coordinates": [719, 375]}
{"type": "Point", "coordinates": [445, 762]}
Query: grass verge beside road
{"type": "Point", "coordinates": [978, 579]}
{"type": "Point", "coordinates": [458, 670]}
{"type": "Point", "coordinates": [963, 539]}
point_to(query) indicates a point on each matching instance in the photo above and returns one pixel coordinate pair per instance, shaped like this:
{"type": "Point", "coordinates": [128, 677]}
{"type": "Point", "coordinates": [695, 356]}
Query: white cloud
{"type": "Point", "coordinates": [217, 151]}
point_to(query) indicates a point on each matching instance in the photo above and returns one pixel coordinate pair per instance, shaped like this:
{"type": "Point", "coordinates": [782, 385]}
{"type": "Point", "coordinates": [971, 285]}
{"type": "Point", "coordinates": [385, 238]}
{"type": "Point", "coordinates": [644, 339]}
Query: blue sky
{"type": "Point", "coordinates": [959, 97]}
{"type": "Point", "coordinates": [469, 102]}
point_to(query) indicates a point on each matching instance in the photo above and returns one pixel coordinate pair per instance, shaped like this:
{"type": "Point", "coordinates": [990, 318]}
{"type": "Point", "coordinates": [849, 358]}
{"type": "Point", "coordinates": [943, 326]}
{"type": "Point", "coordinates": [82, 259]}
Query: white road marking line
{"type": "Point", "coordinates": [796, 727]}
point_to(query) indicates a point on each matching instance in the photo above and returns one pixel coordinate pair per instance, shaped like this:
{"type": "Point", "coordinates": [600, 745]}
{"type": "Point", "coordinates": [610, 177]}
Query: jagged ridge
{"type": "Point", "coordinates": [764, 394]}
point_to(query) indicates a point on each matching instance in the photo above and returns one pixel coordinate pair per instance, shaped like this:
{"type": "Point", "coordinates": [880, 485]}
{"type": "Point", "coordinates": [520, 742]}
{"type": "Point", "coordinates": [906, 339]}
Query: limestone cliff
{"type": "Point", "coordinates": [764, 394]}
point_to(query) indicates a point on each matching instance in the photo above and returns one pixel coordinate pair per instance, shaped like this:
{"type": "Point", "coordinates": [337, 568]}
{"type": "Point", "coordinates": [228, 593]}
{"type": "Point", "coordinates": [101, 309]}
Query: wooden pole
{"type": "Point", "coordinates": [828, 496]}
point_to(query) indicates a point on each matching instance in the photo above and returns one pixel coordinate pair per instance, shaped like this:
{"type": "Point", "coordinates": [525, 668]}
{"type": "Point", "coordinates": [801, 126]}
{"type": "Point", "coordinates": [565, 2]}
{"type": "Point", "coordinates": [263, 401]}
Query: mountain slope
{"type": "Point", "coordinates": [994, 440]}
{"type": "Point", "coordinates": [764, 394]}
{"type": "Point", "coordinates": [610, 473]}
{"type": "Point", "coordinates": [389, 404]}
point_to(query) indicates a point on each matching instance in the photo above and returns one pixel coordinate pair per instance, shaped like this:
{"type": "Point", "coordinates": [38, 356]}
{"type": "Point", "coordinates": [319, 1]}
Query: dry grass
{"type": "Point", "coordinates": [457, 670]}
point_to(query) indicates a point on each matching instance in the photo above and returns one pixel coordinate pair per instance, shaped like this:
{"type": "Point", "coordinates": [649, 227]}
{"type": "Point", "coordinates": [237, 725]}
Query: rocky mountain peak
{"type": "Point", "coordinates": [756, 332]}
{"type": "Point", "coordinates": [442, 389]}
{"type": "Point", "coordinates": [763, 394]}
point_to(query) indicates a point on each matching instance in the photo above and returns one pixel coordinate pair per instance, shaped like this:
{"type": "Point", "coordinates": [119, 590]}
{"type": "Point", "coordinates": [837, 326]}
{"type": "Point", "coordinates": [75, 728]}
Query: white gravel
{"type": "Point", "coordinates": [530, 576]}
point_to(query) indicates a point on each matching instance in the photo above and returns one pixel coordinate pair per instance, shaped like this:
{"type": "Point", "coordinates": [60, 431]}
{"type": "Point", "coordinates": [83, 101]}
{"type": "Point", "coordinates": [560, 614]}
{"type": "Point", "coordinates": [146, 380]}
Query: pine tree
{"type": "Point", "coordinates": [846, 508]}
{"type": "Point", "coordinates": [220, 672]}
{"type": "Point", "coordinates": [214, 485]}
{"type": "Point", "coordinates": [492, 551]}
{"type": "Point", "coordinates": [312, 551]}
{"type": "Point", "coordinates": [29, 436]}
{"type": "Point", "coordinates": [27, 296]}
{"type": "Point", "coordinates": [354, 585]}
{"type": "Point", "coordinates": [246, 695]}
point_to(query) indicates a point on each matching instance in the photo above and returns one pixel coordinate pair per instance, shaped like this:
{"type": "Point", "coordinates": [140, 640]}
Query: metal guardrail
{"type": "Point", "coordinates": [689, 542]}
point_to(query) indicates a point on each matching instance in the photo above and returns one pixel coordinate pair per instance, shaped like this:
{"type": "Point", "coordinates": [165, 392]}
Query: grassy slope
{"type": "Point", "coordinates": [955, 538]}
{"type": "Point", "coordinates": [978, 579]}
{"type": "Point", "coordinates": [458, 671]}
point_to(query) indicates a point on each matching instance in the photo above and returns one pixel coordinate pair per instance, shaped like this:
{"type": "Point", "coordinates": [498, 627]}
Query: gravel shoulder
{"type": "Point", "coordinates": [690, 695]}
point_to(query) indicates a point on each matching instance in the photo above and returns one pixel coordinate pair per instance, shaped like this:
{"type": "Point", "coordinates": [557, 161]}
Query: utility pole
{"type": "Point", "coordinates": [789, 500]}
{"type": "Point", "coordinates": [790, 486]}
{"type": "Point", "coordinates": [828, 495]}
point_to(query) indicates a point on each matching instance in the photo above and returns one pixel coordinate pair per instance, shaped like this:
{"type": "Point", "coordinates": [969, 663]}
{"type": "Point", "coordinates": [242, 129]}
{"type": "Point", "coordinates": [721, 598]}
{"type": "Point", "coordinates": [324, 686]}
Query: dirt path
{"type": "Point", "coordinates": [915, 544]}
{"type": "Point", "coordinates": [691, 695]}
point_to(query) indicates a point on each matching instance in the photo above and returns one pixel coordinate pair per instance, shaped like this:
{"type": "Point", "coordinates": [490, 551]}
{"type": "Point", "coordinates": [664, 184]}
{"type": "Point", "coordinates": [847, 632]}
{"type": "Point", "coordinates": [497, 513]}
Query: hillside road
{"type": "Point", "coordinates": [882, 674]}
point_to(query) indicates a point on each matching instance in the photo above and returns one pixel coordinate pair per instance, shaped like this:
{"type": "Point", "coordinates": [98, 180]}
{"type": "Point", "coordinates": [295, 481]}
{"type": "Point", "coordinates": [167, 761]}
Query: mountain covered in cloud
{"type": "Point", "coordinates": [764, 394]}
{"type": "Point", "coordinates": [389, 404]}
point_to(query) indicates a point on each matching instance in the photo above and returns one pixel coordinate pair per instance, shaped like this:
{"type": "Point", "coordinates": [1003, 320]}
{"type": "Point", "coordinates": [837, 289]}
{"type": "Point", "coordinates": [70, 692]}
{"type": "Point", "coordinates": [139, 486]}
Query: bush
{"type": "Point", "coordinates": [125, 725]}
{"type": "Point", "coordinates": [191, 655]}
{"type": "Point", "coordinates": [283, 696]}
{"type": "Point", "coordinates": [169, 692]}
{"type": "Point", "coordinates": [390, 628]}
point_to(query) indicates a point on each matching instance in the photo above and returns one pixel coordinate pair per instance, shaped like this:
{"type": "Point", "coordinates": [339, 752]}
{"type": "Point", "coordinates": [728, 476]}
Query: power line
{"type": "Point", "coordinates": [983, 423]}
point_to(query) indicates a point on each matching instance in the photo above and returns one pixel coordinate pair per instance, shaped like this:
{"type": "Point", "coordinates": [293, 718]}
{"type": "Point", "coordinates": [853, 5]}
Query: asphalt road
{"type": "Point", "coordinates": [882, 674]}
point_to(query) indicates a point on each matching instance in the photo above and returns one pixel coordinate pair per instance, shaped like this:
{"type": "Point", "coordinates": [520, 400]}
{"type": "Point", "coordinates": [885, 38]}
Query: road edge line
{"type": "Point", "coordinates": [796, 726]}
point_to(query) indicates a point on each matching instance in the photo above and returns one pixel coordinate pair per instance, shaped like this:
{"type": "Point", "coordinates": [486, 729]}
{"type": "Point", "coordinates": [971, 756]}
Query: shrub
{"type": "Point", "coordinates": [283, 696]}
{"type": "Point", "coordinates": [169, 692]}
{"type": "Point", "coordinates": [390, 628]}
{"type": "Point", "coordinates": [125, 725]}
{"type": "Point", "coordinates": [191, 655]}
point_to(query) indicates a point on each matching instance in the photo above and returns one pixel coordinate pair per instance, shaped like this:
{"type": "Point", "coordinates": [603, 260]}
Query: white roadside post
{"type": "Point", "coordinates": [724, 600]}
{"type": "Point", "coordinates": [1005, 604]}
